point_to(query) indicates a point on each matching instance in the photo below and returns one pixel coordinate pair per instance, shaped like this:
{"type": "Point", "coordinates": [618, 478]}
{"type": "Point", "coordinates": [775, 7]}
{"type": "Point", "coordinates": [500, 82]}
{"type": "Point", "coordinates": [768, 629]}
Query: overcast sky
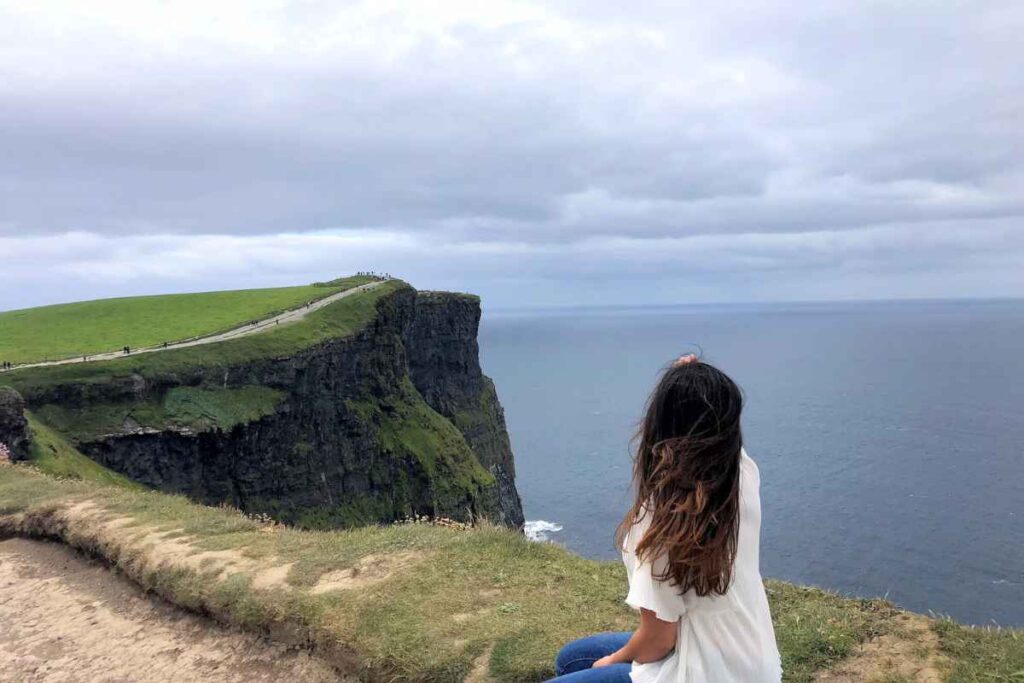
{"type": "Point", "coordinates": [550, 153]}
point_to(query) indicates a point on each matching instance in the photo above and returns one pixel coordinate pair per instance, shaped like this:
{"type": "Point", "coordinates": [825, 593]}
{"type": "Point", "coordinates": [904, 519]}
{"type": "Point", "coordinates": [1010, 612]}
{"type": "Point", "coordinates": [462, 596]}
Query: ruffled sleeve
{"type": "Point", "coordinates": [647, 592]}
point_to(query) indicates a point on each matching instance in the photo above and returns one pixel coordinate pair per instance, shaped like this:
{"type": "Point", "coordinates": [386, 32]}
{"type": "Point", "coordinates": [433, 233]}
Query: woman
{"type": "Point", "coordinates": [690, 543]}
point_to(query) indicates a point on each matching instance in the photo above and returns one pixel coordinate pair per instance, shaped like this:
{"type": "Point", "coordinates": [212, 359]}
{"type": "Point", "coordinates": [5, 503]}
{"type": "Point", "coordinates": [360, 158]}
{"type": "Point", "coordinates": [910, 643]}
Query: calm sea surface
{"type": "Point", "coordinates": [890, 436]}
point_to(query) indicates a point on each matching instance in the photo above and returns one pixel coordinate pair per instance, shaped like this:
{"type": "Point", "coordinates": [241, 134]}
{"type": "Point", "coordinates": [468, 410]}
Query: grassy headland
{"type": "Point", "coordinates": [420, 460]}
{"type": "Point", "coordinates": [340, 319]}
{"type": "Point", "coordinates": [88, 327]}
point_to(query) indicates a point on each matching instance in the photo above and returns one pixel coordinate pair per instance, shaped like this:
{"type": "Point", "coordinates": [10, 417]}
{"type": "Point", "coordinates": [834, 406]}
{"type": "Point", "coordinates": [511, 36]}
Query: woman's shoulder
{"type": "Point", "coordinates": [636, 530]}
{"type": "Point", "coordinates": [747, 464]}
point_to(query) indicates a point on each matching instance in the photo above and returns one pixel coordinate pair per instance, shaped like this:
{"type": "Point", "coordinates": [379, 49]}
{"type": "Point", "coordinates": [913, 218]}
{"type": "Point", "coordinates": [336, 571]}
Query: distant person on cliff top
{"type": "Point", "coordinates": [691, 546]}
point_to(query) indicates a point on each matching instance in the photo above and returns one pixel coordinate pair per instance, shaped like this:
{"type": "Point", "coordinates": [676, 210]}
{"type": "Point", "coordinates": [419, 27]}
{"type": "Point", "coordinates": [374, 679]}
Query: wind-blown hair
{"type": "Point", "coordinates": [687, 478]}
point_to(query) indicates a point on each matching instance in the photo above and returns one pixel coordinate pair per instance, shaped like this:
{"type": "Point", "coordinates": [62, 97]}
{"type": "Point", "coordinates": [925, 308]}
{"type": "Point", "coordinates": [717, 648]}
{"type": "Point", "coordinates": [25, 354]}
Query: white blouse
{"type": "Point", "coordinates": [721, 638]}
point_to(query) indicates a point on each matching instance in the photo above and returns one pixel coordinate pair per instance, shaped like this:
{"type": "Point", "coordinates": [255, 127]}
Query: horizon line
{"type": "Point", "coordinates": [771, 302]}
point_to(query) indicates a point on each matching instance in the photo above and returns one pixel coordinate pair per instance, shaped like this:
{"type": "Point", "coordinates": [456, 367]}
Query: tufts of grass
{"type": "Point", "coordinates": [351, 513]}
{"type": "Point", "coordinates": [987, 654]}
{"type": "Point", "coordinates": [88, 327]}
{"type": "Point", "coordinates": [816, 628]}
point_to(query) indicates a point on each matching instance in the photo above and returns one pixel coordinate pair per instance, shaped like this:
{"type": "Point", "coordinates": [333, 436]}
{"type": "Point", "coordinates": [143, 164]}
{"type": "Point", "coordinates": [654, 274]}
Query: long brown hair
{"type": "Point", "coordinates": [686, 472]}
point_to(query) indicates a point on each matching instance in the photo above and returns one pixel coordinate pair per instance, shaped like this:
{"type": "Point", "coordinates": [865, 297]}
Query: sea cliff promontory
{"type": "Point", "coordinates": [370, 409]}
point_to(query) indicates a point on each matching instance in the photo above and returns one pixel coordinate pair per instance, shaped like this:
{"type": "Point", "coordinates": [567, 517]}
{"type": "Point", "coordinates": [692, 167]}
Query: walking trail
{"type": "Point", "coordinates": [68, 619]}
{"type": "Point", "coordinates": [242, 331]}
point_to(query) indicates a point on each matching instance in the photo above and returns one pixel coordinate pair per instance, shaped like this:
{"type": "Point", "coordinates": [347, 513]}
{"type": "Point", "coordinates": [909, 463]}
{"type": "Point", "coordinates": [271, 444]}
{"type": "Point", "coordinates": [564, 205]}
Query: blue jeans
{"type": "Point", "coordinates": [575, 659]}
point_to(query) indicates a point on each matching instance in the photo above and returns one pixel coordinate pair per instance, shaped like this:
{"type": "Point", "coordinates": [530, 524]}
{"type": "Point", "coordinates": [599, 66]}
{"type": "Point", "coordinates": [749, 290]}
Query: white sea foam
{"type": "Point", "coordinates": [539, 530]}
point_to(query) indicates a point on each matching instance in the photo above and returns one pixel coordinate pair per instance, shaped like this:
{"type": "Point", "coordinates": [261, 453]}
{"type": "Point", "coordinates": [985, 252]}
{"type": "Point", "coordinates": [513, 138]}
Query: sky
{"type": "Point", "coordinates": [558, 153]}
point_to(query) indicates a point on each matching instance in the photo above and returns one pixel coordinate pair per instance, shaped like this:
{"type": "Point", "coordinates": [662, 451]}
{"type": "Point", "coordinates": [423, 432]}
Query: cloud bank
{"type": "Point", "coordinates": [538, 153]}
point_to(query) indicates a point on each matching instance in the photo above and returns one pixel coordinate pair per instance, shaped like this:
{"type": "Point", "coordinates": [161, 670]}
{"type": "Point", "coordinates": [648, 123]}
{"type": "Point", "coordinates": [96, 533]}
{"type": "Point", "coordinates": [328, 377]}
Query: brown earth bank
{"type": "Point", "coordinates": [67, 618]}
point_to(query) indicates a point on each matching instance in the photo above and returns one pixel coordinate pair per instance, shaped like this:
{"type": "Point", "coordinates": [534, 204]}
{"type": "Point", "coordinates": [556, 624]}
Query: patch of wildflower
{"type": "Point", "coordinates": [267, 523]}
{"type": "Point", "coordinates": [5, 454]}
{"type": "Point", "coordinates": [445, 522]}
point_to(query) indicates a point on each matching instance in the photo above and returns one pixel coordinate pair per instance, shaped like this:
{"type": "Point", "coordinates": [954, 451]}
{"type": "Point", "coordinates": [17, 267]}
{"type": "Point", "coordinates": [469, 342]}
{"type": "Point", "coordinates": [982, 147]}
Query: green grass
{"type": "Point", "coordinates": [193, 408]}
{"type": "Point", "coordinates": [816, 629]}
{"type": "Point", "coordinates": [466, 593]}
{"type": "Point", "coordinates": [408, 426]}
{"type": "Point", "coordinates": [339, 319]}
{"type": "Point", "coordinates": [449, 475]}
{"type": "Point", "coordinates": [52, 454]}
{"type": "Point", "coordinates": [88, 327]}
{"type": "Point", "coordinates": [991, 655]}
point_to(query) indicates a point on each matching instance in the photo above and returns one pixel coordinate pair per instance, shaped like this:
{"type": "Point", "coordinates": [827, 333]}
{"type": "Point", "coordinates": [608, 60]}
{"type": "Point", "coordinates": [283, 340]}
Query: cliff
{"type": "Point", "coordinates": [367, 411]}
{"type": "Point", "coordinates": [14, 432]}
{"type": "Point", "coordinates": [444, 366]}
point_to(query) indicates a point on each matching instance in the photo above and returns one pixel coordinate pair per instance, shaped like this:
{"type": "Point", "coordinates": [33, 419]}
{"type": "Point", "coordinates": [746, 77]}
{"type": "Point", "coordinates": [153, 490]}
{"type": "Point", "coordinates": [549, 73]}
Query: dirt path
{"type": "Point", "coordinates": [243, 331]}
{"type": "Point", "coordinates": [65, 618]}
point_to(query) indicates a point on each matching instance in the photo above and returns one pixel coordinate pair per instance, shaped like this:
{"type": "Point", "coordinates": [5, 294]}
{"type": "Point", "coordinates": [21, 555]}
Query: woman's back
{"type": "Point", "coordinates": [720, 637]}
{"type": "Point", "coordinates": [691, 546]}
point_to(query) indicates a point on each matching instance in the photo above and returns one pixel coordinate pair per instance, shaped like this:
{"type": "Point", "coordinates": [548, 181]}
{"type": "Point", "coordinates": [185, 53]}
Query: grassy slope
{"type": "Point", "coordinates": [982, 654]}
{"type": "Point", "coordinates": [340, 319]}
{"type": "Point", "coordinates": [66, 330]}
{"type": "Point", "coordinates": [52, 454]}
{"type": "Point", "coordinates": [460, 599]}
{"type": "Point", "coordinates": [407, 428]}
{"type": "Point", "coordinates": [181, 407]}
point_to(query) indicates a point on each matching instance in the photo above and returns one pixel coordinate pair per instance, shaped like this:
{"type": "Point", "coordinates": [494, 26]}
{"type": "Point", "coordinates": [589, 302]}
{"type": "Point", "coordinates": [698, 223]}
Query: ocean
{"type": "Point", "coordinates": [890, 436]}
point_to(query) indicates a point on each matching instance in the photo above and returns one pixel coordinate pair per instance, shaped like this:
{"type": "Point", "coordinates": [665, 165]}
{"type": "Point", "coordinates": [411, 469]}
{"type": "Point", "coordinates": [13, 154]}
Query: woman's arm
{"type": "Point", "coordinates": [652, 641]}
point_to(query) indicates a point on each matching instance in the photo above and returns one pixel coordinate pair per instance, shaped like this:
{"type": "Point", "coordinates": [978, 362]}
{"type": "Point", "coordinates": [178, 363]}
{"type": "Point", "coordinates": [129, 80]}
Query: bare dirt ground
{"type": "Point", "coordinates": [910, 653]}
{"type": "Point", "coordinates": [67, 618]}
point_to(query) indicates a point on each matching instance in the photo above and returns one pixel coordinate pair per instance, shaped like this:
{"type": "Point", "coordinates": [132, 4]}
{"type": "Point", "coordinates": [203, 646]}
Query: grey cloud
{"type": "Point", "coordinates": [243, 144]}
{"type": "Point", "coordinates": [925, 259]}
{"type": "Point", "coordinates": [555, 126]}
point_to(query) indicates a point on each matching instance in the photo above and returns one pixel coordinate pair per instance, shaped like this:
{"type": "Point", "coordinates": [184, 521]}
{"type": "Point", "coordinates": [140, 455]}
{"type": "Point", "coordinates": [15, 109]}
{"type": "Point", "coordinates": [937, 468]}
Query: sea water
{"type": "Point", "coordinates": [890, 436]}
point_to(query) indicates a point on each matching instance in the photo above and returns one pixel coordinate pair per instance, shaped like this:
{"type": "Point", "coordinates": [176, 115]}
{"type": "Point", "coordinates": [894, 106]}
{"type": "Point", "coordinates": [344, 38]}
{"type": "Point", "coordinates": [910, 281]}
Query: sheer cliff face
{"type": "Point", "coordinates": [444, 365]}
{"type": "Point", "coordinates": [14, 434]}
{"type": "Point", "coordinates": [396, 420]}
